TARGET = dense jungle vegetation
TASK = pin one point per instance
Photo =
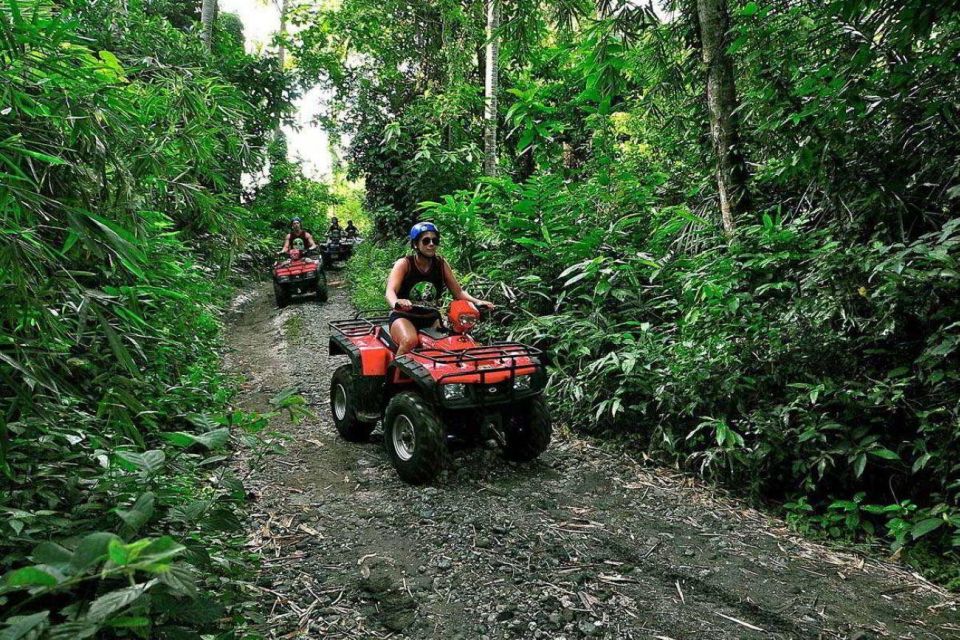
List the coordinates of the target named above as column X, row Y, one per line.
column 805, row 351
column 123, row 140
column 733, row 225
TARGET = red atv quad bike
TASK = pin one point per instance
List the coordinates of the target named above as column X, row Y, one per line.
column 449, row 389
column 298, row 274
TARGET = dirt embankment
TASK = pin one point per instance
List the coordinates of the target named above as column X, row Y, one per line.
column 584, row 543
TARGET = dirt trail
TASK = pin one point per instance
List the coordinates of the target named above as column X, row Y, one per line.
column 584, row 543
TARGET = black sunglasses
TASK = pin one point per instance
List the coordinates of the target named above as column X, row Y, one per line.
column 430, row 240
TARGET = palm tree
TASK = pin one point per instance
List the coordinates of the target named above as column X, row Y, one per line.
column 281, row 6
column 490, row 89
column 714, row 21
column 208, row 13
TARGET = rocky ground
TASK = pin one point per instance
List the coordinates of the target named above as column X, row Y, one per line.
column 583, row 543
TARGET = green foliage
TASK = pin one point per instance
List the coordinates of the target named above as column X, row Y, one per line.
column 780, row 363
column 367, row 273
column 812, row 358
column 406, row 104
column 122, row 143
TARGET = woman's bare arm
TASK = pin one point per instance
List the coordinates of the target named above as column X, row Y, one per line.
column 393, row 285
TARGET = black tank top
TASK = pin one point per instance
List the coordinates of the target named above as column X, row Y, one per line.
column 302, row 236
column 418, row 286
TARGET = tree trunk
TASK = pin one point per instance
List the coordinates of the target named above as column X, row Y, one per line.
column 722, row 104
column 208, row 13
column 282, row 52
column 281, row 56
column 492, row 73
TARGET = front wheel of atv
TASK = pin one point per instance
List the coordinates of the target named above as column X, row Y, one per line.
column 527, row 430
column 343, row 406
column 413, row 435
column 280, row 295
column 321, row 287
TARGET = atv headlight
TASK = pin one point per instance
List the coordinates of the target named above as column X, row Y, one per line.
column 521, row 383
column 454, row 391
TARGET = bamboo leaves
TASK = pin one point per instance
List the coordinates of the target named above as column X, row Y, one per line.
column 122, row 143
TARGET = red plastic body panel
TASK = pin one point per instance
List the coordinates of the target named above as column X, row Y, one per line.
column 375, row 357
column 439, row 358
column 295, row 267
column 453, row 359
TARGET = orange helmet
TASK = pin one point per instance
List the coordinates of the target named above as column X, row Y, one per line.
column 463, row 315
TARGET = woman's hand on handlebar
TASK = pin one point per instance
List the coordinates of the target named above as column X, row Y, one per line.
column 402, row 304
column 485, row 305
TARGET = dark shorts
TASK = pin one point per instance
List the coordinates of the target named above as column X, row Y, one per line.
column 419, row 322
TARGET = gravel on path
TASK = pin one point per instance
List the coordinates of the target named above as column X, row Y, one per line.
column 586, row 542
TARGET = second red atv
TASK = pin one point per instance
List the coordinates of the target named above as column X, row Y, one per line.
column 450, row 388
column 298, row 274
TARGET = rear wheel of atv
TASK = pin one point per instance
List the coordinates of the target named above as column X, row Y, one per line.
column 321, row 287
column 413, row 435
column 343, row 405
column 527, row 430
column 280, row 295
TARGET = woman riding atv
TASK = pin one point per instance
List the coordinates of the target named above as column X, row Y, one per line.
column 422, row 276
column 297, row 233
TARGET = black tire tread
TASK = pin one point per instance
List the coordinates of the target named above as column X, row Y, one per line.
column 351, row 428
column 321, row 287
column 280, row 295
column 527, row 430
column 431, row 454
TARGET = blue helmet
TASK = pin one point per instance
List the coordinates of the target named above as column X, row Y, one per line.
column 295, row 219
column 419, row 229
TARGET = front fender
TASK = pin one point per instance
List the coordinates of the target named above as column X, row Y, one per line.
column 340, row 346
column 416, row 372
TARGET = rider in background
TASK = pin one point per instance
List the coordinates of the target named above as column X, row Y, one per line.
column 334, row 226
column 422, row 277
column 297, row 233
column 351, row 230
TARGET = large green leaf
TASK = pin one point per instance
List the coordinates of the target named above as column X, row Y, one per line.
column 160, row 553
column 30, row 577
column 72, row 631
column 52, row 554
column 114, row 601
column 150, row 462
column 926, row 526
column 25, row 626
column 91, row 550
column 140, row 513
column 180, row 580
column 210, row 440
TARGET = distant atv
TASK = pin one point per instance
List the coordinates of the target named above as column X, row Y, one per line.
column 352, row 241
column 448, row 389
column 335, row 250
column 298, row 274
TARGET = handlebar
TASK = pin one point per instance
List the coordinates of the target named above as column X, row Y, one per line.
column 303, row 253
column 424, row 309
column 418, row 308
